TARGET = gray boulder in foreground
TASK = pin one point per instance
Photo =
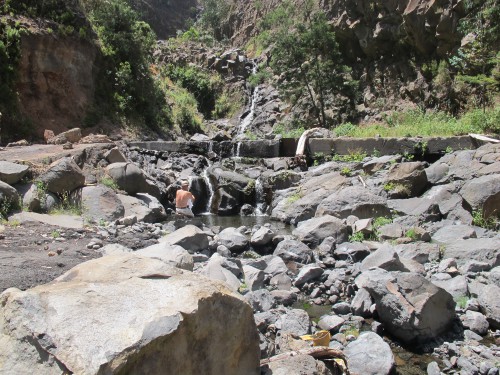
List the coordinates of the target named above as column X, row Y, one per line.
column 63, row 176
column 411, row 307
column 148, row 318
column 369, row 355
column 101, row 203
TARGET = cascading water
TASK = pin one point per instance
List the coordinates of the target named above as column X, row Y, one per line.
column 260, row 205
column 208, row 209
column 247, row 121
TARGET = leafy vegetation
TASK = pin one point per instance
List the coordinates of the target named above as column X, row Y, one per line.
column 480, row 220
column 418, row 123
column 308, row 61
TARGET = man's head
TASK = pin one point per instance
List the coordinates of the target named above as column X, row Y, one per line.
column 184, row 184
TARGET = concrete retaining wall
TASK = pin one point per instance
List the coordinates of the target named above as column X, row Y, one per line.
column 341, row 146
column 390, row 146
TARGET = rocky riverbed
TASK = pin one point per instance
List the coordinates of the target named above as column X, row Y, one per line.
column 386, row 253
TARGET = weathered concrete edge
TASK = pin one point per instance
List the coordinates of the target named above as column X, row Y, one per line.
column 342, row 146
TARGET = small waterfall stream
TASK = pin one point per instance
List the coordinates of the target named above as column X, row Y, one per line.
column 208, row 209
column 260, row 205
column 247, row 120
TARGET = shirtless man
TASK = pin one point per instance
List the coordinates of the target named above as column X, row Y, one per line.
column 184, row 200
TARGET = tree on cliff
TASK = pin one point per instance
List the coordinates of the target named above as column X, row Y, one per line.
column 308, row 62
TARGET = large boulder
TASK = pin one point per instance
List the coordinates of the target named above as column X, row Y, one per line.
column 233, row 239
column 232, row 190
column 11, row 173
column 483, row 194
column 143, row 206
column 301, row 203
column 369, row 355
column 481, row 249
column 217, row 269
column 314, row 231
column 488, row 297
column 190, row 237
column 385, row 257
column 100, row 203
column 39, row 200
column 411, row 307
column 292, row 250
column 424, row 209
column 73, row 135
column 9, row 196
column 147, row 318
column 355, row 201
column 128, row 177
column 63, row 176
column 408, row 179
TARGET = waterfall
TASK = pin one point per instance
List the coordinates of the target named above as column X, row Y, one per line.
column 247, row 120
column 208, row 209
column 259, row 198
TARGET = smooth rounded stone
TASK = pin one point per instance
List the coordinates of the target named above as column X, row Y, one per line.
column 115, row 156
column 452, row 233
column 294, row 321
column 330, row 323
column 483, row 193
column 233, row 239
column 284, row 297
column 410, row 175
column 11, row 173
column 260, row 300
column 190, row 237
column 410, row 307
column 488, row 297
column 360, row 304
column 341, row 308
column 420, row 252
column 456, row 286
column 281, row 281
column 466, row 366
column 299, row 364
column 223, row 251
column 254, row 278
column 63, row 176
column 39, row 201
column 471, row 336
column 314, row 231
column 385, row 257
column 369, row 355
column 214, row 269
column 327, row 246
column 433, row 369
column 354, row 251
column 446, row 264
column 413, row 266
column 274, row 265
column 121, row 318
column 144, row 206
column 128, row 177
column 353, row 200
column 390, row 231
column 171, row 254
column 494, row 276
column 480, row 249
column 472, row 266
column 262, row 237
column 475, row 321
column 246, row 210
column 292, row 250
column 100, row 203
column 308, row 273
